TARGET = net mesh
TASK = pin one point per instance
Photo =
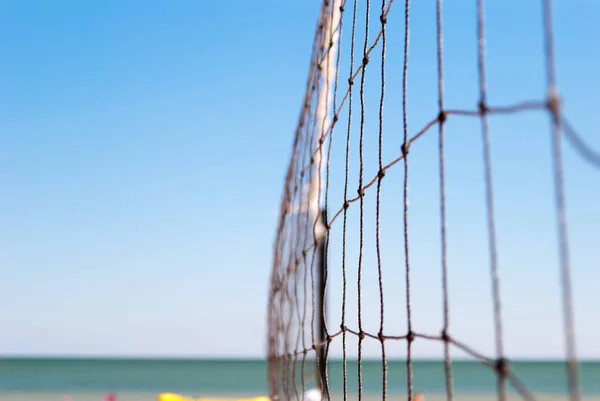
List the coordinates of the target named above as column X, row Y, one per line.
column 325, row 240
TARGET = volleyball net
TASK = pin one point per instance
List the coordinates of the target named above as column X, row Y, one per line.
column 389, row 187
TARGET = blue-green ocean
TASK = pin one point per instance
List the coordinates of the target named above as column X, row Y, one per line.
column 247, row 377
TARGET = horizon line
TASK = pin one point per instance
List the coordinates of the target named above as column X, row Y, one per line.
column 218, row 358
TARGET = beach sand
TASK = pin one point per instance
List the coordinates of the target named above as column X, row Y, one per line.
column 140, row 396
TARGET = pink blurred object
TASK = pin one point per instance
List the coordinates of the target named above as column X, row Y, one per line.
column 111, row 397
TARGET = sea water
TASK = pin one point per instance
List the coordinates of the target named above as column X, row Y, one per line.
column 142, row 379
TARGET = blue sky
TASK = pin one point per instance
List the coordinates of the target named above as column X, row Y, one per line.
column 143, row 147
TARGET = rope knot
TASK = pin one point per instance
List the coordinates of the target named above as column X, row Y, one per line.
column 404, row 149
column 501, row 367
column 483, row 107
column 554, row 106
column 442, row 117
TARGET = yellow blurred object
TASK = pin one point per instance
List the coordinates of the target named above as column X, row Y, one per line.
column 176, row 397
column 173, row 397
